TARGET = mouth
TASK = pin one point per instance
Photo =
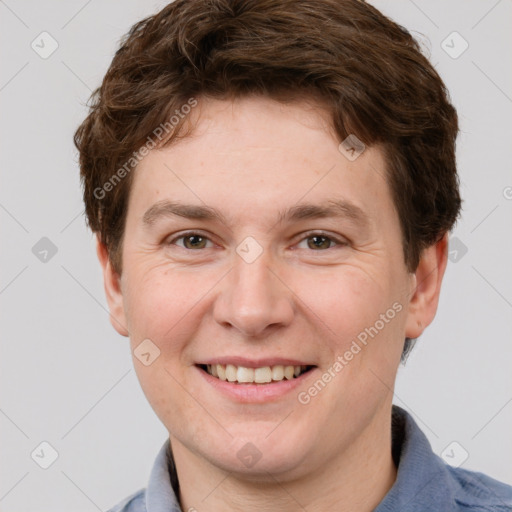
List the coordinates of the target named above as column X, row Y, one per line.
column 262, row 375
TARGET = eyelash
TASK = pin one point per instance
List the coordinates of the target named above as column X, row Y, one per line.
column 307, row 235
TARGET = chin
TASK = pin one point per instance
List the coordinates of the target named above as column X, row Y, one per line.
column 261, row 457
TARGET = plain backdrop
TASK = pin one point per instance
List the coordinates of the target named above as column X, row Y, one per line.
column 67, row 377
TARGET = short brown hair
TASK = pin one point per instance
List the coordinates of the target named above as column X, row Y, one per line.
column 365, row 69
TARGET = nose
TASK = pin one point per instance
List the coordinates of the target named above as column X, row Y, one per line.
column 254, row 299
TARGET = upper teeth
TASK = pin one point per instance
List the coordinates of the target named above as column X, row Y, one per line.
column 261, row 375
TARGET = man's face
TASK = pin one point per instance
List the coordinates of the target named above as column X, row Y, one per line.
column 260, row 287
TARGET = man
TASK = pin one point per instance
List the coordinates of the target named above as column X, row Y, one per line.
column 272, row 185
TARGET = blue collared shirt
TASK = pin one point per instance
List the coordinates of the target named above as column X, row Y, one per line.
column 424, row 482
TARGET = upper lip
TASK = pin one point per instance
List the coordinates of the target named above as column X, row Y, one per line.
column 255, row 363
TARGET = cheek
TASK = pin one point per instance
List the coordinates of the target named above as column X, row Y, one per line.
column 343, row 302
column 164, row 308
column 162, row 304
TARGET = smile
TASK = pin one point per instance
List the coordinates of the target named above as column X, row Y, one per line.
column 261, row 375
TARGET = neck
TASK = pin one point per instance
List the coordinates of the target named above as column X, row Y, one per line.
column 355, row 480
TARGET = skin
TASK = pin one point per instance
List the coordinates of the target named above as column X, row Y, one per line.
column 252, row 158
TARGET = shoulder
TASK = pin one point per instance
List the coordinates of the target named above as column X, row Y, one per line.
column 477, row 492
column 136, row 502
column 426, row 483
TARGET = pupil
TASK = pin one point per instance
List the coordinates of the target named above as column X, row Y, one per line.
column 320, row 241
column 194, row 240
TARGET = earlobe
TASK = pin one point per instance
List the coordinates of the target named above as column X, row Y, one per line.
column 112, row 285
column 425, row 292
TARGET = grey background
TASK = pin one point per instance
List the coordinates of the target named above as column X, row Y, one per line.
column 66, row 375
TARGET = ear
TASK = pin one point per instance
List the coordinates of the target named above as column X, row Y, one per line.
column 112, row 284
column 425, row 293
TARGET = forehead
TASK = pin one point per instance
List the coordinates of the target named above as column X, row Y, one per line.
column 258, row 157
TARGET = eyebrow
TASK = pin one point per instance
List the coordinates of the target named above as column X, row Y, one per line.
column 336, row 208
column 166, row 208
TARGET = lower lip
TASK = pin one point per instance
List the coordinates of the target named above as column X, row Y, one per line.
column 255, row 393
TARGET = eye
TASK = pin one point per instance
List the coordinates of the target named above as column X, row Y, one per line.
column 321, row 241
column 316, row 241
column 191, row 241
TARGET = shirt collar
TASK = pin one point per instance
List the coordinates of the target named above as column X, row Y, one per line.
column 163, row 489
column 422, row 477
